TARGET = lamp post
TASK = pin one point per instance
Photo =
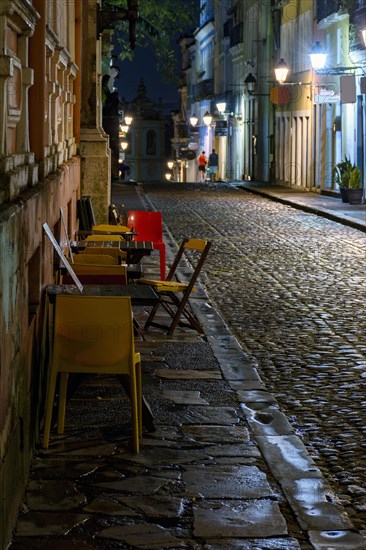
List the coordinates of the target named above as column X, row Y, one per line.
column 250, row 84
column 207, row 119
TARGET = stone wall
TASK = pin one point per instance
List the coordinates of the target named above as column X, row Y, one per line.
column 27, row 265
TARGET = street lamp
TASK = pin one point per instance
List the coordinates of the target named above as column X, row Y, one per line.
column 170, row 164
column 168, row 176
column 250, row 83
column 281, row 71
column 124, row 145
column 193, row 120
column 128, row 119
column 221, row 107
column 318, row 56
column 207, row 118
column 124, row 128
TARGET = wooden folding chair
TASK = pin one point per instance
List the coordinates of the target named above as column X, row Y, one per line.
column 95, row 259
column 174, row 295
column 93, row 335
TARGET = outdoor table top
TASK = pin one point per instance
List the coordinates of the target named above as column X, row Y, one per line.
column 142, row 247
column 141, row 295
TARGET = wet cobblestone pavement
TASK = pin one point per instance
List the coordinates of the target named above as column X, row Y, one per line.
column 292, row 288
column 260, row 423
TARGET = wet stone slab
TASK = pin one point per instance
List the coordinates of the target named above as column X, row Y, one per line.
column 254, row 544
column 254, row 518
column 157, row 456
column 217, row 434
column 136, row 506
column 184, row 397
column 256, row 396
column 186, row 374
column 53, row 495
column 53, row 544
column 225, row 342
column 220, row 481
column 145, row 485
column 224, row 416
column 146, row 536
column 267, row 421
column 312, row 500
column 63, row 468
column 337, row 540
column 237, row 368
column 246, row 385
column 36, row 524
column 77, row 447
column 234, row 451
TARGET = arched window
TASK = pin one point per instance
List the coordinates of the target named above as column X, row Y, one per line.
column 151, row 142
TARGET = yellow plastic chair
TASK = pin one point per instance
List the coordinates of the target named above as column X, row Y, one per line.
column 96, row 259
column 104, row 238
column 174, row 295
column 105, row 250
column 98, row 274
column 105, row 229
column 93, row 335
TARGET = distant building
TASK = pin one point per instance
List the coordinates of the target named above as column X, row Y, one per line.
column 146, row 154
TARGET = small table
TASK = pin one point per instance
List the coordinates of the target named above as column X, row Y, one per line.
column 135, row 249
column 141, row 295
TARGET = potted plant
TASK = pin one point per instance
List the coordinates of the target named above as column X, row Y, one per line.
column 355, row 191
column 342, row 174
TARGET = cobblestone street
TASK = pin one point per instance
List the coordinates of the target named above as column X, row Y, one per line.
column 291, row 286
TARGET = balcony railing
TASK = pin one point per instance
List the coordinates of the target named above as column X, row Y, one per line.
column 325, row 8
column 204, row 89
column 236, row 35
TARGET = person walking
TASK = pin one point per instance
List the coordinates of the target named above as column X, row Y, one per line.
column 202, row 161
column 213, row 161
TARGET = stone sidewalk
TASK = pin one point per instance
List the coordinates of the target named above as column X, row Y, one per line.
column 223, row 470
column 330, row 207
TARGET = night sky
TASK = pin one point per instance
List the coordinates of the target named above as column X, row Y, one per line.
column 144, row 66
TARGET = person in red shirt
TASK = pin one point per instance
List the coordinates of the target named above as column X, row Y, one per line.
column 202, row 161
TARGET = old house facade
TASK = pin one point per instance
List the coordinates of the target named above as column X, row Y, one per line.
column 291, row 132
column 53, row 149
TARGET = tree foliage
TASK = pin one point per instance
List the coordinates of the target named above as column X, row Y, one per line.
column 159, row 25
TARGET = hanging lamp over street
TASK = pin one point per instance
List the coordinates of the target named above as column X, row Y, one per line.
column 318, row 56
column 281, row 71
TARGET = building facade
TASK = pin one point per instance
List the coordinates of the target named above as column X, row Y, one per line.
column 53, row 149
column 291, row 132
column 145, row 155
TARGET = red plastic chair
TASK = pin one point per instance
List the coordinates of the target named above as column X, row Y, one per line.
column 149, row 226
